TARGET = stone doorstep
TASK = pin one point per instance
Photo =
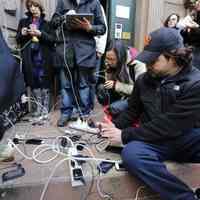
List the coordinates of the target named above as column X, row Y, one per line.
column 122, row 186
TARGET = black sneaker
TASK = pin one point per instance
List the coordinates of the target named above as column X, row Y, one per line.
column 62, row 121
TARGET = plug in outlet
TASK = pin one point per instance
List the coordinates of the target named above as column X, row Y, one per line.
column 76, row 172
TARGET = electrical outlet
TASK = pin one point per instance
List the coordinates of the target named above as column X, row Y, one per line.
column 76, row 172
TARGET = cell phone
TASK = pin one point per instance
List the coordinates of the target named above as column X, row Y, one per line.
column 119, row 166
column 104, row 166
column 13, row 174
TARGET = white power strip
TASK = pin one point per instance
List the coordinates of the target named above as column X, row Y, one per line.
column 76, row 172
column 82, row 125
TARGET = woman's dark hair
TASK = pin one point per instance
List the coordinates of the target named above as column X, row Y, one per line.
column 190, row 5
column 182, row 56
column 168, row 18
column 120, row 50
column 35, row 2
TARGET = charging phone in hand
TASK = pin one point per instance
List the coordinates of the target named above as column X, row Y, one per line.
column 119, row 166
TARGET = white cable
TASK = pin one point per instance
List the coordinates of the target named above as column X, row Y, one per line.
column 50, row 177
column 70, row 75
column 101, row 194
column 13, row 126
column 15, row 146
column 138, row 191
column 95, row 159
column 38, row 103
column 32, row 99
column 35, row 155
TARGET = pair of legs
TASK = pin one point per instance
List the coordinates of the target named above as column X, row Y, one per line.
column 145, row 161
column 41, row 91
column 75, row 91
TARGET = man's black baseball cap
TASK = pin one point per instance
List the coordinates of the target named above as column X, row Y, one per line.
column 160, row 41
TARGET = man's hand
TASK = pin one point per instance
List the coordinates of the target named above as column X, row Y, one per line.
column 82, row 24
column 109, row 84
column 110, row 132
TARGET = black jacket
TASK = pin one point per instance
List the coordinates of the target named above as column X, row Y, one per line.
column 165, row 107
column 11, row 79
column 193, row 36
column 81, row 41
column 46, row 42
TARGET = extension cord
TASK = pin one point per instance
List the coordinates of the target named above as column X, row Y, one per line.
column 76, row 172
column 82, row 125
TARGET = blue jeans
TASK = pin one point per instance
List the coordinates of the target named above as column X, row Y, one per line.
column 118, row 106
column 145, row 161
column 75, row 91
column 93, row 88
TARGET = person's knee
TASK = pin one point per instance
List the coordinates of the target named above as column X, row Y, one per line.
column 131, row 155
column 113, row 109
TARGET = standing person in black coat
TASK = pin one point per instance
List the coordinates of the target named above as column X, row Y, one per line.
column 191, row 34
column 166, row 101
column 76, row 49
column 33, row 36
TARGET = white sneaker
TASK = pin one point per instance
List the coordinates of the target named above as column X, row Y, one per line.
column 82, row 125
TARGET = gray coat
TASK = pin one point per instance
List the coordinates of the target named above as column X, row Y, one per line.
column 82, row 42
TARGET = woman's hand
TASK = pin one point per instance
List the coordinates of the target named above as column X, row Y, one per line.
column 35, row 32
column 24, row 31
column 110, row 84
column 109, row 131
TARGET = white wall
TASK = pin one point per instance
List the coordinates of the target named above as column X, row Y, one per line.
column 160, row 9
column 150, row 15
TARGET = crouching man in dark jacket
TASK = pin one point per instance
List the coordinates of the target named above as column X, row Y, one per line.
column 166, row 99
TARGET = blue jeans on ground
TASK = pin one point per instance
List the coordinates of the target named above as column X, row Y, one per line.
column 75, row 93
column 145, row 161
column 67, row 100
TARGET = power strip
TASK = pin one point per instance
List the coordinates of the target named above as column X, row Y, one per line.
column 76, row 172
